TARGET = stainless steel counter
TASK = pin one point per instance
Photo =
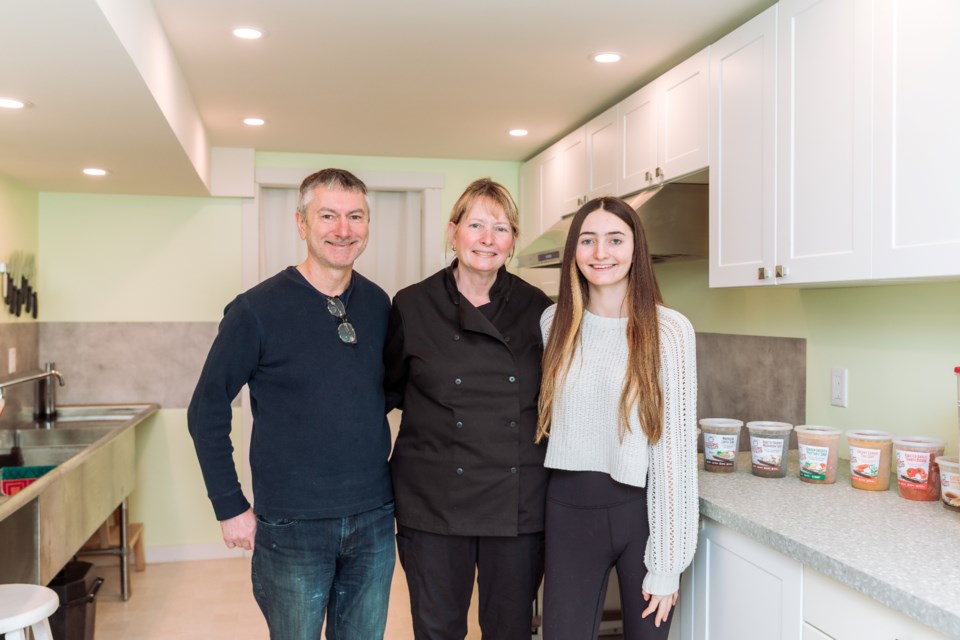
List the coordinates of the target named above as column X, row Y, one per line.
column 899, row 552
column 46, row 523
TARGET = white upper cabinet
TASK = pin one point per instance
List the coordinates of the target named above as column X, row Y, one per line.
column 563, row 178
column 663, row 127
column 638, row 117
column 743, row 154
column 917, row 139
column 824, row 120
column 683, row 139
column 602, row 140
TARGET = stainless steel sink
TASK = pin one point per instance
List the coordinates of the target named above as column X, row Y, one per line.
column 99, row 412
column 29, row 438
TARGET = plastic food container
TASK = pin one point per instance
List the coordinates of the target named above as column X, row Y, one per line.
column 949, row 482
column 721, row 440
column 918, row 476
column 870, row 456
column 769, row 442
column 818, row 453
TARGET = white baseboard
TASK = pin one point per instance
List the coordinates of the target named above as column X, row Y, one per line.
column 190, row 552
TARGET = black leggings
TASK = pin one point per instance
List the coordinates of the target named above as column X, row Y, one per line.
column 593, row 524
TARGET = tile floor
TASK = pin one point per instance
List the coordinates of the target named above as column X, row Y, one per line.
column 206, row 600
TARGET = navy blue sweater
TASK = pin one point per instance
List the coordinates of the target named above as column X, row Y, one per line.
column 320, row 437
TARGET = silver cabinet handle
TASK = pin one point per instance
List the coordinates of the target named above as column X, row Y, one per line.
column 782, row 271
column 659, row 172
column 763, row 273
column 647, row 176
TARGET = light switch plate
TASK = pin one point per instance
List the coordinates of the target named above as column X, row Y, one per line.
column 838, row 387
column 12, row 360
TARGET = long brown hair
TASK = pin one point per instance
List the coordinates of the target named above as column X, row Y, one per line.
column 641, row 387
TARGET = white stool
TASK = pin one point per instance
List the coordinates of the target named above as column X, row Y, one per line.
column 26, row 606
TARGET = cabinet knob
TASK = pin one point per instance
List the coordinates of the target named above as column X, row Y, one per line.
column 763, row 273
column 659, row 172
column 782, row 271
column 647, row 176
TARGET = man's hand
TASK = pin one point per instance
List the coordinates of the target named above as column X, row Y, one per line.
column 239, row 531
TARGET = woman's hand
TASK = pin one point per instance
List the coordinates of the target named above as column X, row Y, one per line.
column 659, row 604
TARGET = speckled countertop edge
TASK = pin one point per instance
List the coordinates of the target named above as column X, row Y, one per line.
column 899, row 552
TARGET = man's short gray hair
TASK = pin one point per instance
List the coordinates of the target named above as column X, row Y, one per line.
column 331, row 179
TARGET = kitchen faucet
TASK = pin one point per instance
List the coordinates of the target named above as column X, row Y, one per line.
column 45, row 407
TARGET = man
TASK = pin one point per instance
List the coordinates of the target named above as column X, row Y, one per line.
column 309, row 343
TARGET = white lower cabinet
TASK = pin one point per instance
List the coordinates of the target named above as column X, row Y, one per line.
column 835, row 611
column 744, row 590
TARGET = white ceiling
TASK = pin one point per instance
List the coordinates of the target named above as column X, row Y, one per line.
column 421, row 78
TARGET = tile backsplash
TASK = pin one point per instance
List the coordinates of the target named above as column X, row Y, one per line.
column 752, row 378
column 24, row 337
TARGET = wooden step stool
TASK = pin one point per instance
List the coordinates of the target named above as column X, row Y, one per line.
column 108, row 537
column 106, row 541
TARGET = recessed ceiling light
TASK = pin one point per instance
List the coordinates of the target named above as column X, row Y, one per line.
column 518, row 132
column 606, row 57
column 254, row 122
column 248, row 33
column 93, row 171
column 13, row 103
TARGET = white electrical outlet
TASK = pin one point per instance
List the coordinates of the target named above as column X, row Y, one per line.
column 838, row 387
column 12, row 360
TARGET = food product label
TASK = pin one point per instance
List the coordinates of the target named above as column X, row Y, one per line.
column 720, row 450
column 813, row 462
column 864, row 464
column 766, row 453
column 913, row 470
column 950, row 488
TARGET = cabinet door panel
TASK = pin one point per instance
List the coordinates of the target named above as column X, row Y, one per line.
column 573, row 174
column 683, row 117
column 744, row 590
column 638, row 140
column 743, row 154
column 824, row 122
column 602, row 145
column 918, row 138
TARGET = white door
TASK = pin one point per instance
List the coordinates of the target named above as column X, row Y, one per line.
column 392, row 257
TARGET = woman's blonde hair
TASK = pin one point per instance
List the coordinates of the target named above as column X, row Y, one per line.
column 641, row 387
column 493, row 191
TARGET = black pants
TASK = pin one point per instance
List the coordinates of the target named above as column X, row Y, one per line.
column 440, row 573
column 593, row 524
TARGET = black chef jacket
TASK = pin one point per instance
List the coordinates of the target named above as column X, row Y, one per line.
column 467, row 380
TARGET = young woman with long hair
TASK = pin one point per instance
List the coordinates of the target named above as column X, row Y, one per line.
column 617, row 406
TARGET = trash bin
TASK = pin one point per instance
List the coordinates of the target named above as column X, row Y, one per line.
column 77, row 587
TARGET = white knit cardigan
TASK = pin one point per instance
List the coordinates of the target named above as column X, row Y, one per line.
column 584, row 435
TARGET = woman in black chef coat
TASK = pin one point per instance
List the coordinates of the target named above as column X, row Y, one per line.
column 463, row 363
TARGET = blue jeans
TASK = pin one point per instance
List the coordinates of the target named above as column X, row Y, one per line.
column 303, row 569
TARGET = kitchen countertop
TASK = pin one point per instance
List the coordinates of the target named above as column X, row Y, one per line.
column 899, row 552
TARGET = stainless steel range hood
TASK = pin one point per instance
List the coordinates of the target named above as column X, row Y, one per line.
column 674, row 215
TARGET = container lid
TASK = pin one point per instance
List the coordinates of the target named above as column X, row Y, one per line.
column 869, row 434
column 950, row 460
column 763, row 425
column 816, row 430
column 922, row 442
column 720, row 422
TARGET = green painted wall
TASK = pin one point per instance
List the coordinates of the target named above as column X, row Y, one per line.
column 113, row 258
column 19, row 216
column 900, row 344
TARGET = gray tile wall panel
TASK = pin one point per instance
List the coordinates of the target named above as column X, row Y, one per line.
column 115, row 362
